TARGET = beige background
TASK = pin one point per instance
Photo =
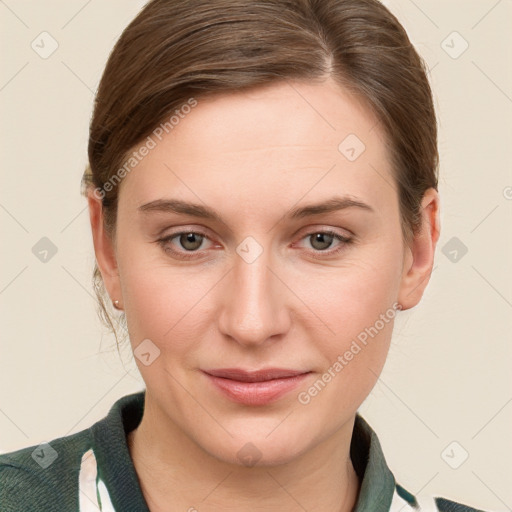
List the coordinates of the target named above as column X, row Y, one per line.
column 448, row 374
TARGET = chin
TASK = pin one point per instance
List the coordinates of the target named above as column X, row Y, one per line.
column 256, row 451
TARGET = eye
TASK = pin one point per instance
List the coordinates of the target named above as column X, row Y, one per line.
column 189, row 244
column 323, row 239
column 186, row 242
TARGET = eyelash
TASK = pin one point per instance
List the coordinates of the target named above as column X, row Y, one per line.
column 164, row 243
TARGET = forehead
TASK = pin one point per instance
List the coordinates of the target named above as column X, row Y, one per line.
column 275, row 143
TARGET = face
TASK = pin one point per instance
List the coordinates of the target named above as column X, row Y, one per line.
column 265, row 280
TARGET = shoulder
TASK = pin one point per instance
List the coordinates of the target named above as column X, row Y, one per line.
column 43, row 476
column 74, row 472
column 380, row 490
column 444, row 505
column 404, row 501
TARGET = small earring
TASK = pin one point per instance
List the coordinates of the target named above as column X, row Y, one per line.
column 116, row 304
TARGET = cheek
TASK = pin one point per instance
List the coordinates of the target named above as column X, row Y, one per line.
column 352, row 297
column 166, row 304
column 360, row 311
column 358, row 304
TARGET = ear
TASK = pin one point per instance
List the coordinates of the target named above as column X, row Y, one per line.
column 419, row 258
column 104, row 247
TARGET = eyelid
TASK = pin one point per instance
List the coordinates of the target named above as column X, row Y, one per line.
column 184, row 231
column 344, row 240
column 324, row 228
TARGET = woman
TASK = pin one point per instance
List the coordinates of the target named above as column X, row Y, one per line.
column 263, row 201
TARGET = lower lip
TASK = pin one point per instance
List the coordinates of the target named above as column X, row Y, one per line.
column 256, row 393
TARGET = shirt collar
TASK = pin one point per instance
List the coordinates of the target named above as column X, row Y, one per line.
column 377, row 481
column 116, row 468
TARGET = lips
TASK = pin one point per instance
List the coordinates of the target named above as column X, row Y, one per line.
column 257, row 387
column 254, row 376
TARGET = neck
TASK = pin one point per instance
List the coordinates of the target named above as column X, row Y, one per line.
column 173, row 469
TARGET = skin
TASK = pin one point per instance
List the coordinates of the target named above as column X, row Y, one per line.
column 253, row 157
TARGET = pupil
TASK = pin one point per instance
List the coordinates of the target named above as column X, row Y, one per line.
column 187, row 239
column 320, row 237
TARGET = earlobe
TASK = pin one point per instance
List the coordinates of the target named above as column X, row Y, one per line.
column 419, row 258
column 103, row 247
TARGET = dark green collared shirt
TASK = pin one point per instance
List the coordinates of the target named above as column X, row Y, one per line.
column 92, row 470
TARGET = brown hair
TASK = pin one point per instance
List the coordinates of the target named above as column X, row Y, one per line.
column 175, row 50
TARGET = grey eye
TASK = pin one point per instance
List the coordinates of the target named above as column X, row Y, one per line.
column 191, row 241
column 321, row 241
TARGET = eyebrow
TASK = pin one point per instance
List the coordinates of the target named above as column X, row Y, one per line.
column 197, row 210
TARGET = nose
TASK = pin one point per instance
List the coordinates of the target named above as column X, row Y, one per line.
column 254, row 309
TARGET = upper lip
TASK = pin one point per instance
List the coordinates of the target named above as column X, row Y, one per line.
column 254, row 376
